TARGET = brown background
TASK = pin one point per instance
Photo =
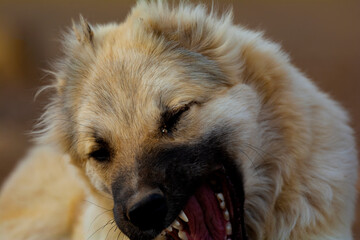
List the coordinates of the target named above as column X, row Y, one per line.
column 322, row 37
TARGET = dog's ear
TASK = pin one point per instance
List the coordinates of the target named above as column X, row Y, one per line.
column 83, row 31
column 79, row 39
column 79, row 49
column 80, row 45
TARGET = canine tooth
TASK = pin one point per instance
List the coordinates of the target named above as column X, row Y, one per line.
column 169, row 229
column 228, row 228
column 222, row 205
column 182, row 235
column 220, row 197
column 176, row 224
column 183, row 216
column 226, row 215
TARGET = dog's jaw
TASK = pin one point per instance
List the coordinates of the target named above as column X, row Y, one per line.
column 214, row 211
column 213, row 188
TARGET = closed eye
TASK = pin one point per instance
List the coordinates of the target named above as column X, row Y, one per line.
column 100, row 155
column 101, row 152
column 170, row 118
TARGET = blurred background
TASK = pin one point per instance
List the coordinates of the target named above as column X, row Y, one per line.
column 322, row 37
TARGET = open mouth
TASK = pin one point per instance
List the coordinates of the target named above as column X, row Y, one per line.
column 214, row 211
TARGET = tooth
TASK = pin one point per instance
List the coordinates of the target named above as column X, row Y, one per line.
column 176, row 224
column 183, row 216
column 226, row 215
column 220, row 197
column 222, row 205
column 182, row 235
column 169, row 229
column 163, row 233
column 228, row 228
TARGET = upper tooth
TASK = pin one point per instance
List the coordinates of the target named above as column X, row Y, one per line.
column 176, row 224
column 222, row 205
column 226, row 215
column 228, row 228
column 169, row 228
column 183, row 216
column 182, row 235
column 220, row 197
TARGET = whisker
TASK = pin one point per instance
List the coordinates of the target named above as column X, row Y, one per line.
column 257, row 150
column 107, row 197
column 118, row 235
column 247, row 156
column 97, row 205
column 98, row 216
column 110, row 230
column 111, row 220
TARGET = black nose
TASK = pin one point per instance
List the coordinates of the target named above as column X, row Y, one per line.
column 148, row 212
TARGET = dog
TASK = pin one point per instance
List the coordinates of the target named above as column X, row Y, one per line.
column 178, row 124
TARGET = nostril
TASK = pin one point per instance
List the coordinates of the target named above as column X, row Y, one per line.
column 149, row 212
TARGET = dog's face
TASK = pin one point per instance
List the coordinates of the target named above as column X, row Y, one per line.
column 156, row 131
column 160, row 128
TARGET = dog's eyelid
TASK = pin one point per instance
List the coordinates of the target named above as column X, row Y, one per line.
column 101, row 154
column 181, row 107
column 101, row 141
column 101, row 151
column 171, row 117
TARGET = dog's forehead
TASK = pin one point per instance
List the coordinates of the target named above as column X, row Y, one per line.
column 128, row 74
column 132, row 82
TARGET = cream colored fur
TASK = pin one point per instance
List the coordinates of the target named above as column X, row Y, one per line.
column 293, row 143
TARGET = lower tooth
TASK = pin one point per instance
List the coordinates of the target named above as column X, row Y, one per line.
column 226, row 215
column 182, row 235
column 176, row 224
column 183, row 216
column 220, row 197
column 228, row 228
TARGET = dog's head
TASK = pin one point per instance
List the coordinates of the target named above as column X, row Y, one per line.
column 158, row 113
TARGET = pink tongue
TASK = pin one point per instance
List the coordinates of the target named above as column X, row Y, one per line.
column 206, row 219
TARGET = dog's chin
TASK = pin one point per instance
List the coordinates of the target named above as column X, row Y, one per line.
column 215, row 211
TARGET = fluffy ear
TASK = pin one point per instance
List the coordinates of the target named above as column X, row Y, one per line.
column 79, row 44
column 83, row 31
column 79, row 48
column 79, row 41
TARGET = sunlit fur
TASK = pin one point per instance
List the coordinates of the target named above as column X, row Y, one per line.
column 292, row 142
